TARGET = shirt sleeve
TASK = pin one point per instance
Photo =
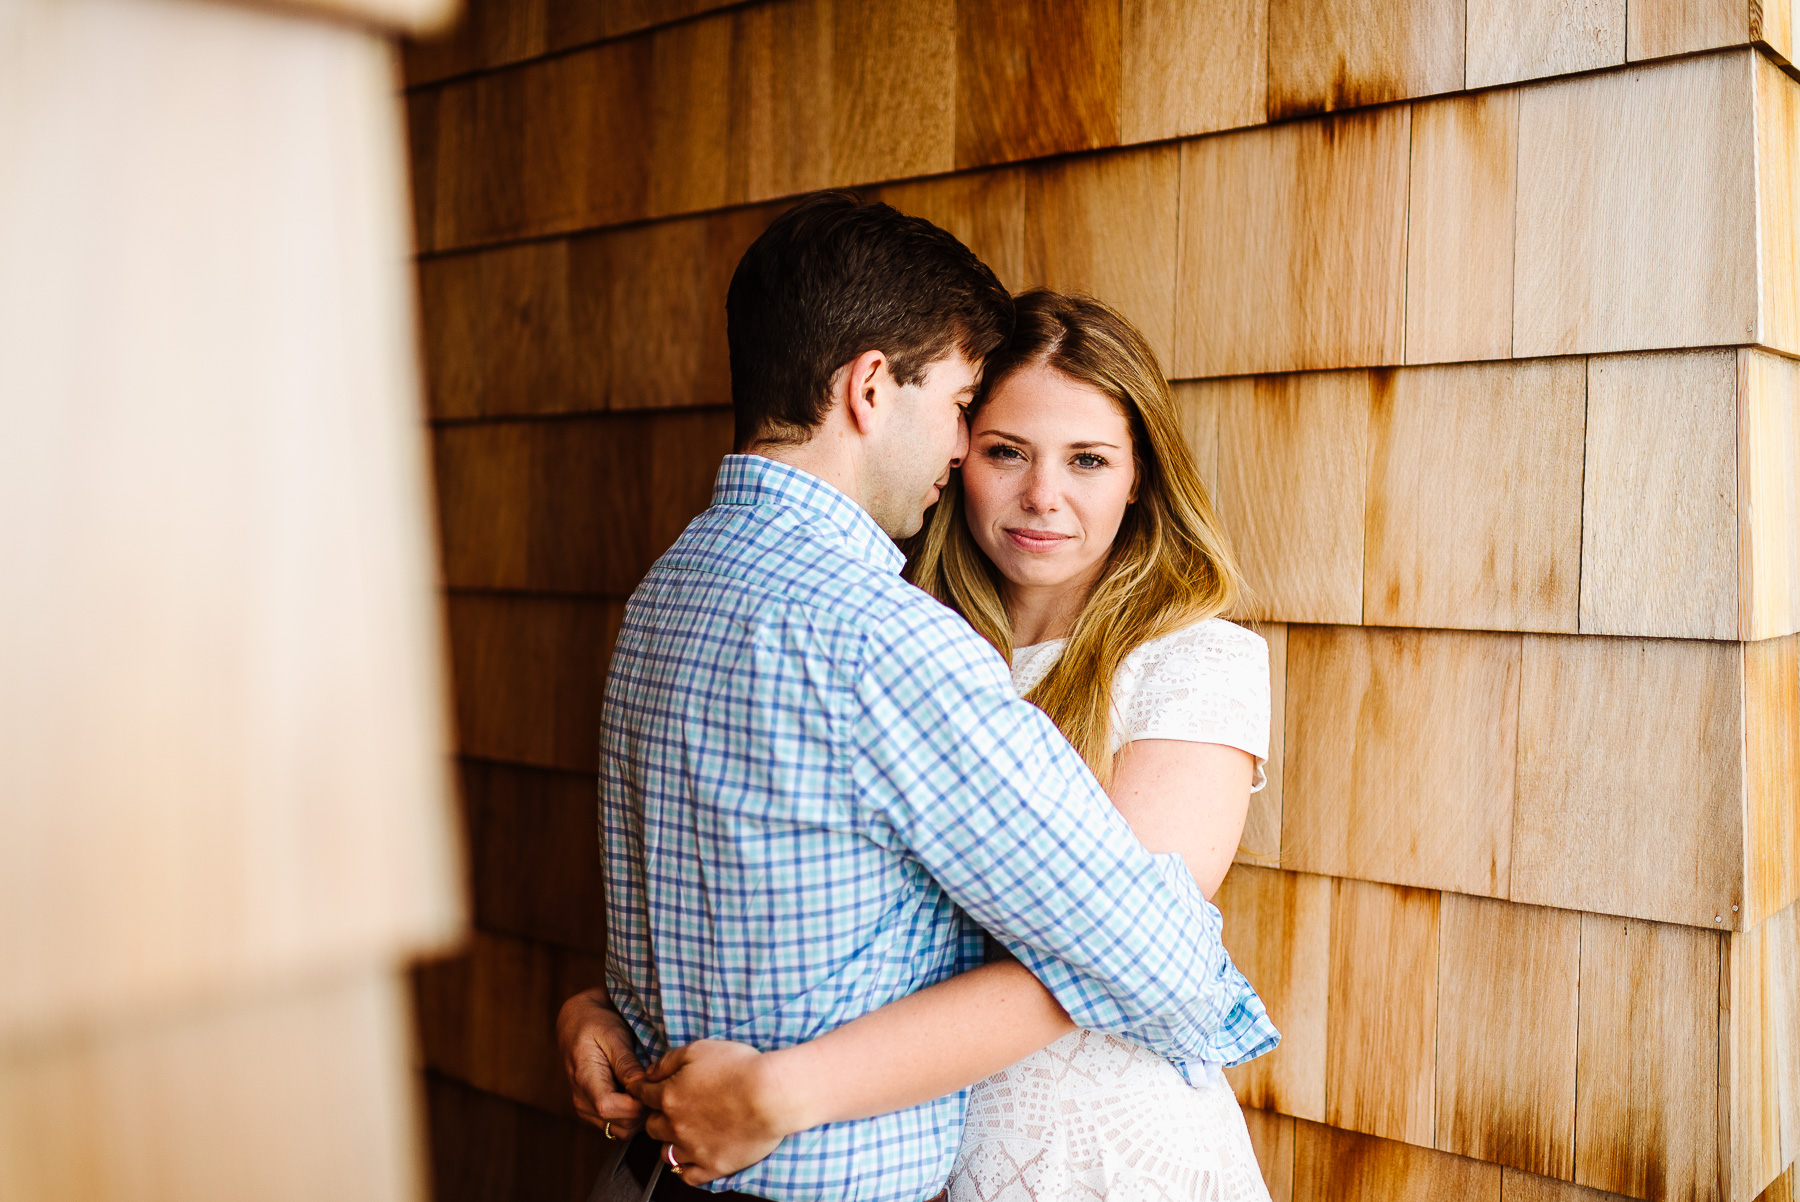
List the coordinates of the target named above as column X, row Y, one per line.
column 985, row 793
column 1206, row 684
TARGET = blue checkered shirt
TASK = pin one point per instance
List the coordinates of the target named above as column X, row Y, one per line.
column 813, row 777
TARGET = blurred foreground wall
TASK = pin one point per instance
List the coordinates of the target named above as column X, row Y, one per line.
column 1487, row 316
column 224, row 811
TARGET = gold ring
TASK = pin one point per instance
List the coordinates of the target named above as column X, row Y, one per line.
column 608, row 1132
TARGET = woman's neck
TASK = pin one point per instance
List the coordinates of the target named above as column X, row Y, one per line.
column 1039, row 613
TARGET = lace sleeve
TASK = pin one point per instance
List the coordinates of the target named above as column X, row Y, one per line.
column 1208, row 683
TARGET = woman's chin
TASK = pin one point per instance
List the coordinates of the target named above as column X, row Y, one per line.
column 1034, row 573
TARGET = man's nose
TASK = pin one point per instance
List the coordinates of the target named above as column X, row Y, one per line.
column 962, row 441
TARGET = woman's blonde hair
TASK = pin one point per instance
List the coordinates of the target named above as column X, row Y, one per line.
column 1170, row 564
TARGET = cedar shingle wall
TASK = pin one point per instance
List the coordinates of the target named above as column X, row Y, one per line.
column 1497, row 393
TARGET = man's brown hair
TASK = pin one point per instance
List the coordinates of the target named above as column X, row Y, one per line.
column 836, row 276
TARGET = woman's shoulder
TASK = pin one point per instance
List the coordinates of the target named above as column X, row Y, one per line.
column 1212, row 641
column 1207, row 682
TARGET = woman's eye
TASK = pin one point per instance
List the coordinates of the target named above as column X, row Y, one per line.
column 1087, row 460
column 1004, row 452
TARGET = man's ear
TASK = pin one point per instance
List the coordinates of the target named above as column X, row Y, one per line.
column 864, row 381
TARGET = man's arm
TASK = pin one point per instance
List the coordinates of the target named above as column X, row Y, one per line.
column 984, row 791
column 725, row 1106
column 600, row 1057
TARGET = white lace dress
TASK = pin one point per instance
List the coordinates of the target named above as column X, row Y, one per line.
column 1095, row 1116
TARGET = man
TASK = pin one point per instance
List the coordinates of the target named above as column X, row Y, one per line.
column 811, row 771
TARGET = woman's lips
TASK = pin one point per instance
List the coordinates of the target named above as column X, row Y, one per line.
column 1036, row 540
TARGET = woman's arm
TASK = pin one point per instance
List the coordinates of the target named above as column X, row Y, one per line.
column 1190, row 798
column 725, row 1106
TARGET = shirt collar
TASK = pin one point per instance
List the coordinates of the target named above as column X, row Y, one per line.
column 756, row 480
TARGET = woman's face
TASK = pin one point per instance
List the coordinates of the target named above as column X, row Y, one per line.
column 1048, row 476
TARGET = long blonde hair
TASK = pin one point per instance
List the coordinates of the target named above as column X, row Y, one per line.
column 1170, row 564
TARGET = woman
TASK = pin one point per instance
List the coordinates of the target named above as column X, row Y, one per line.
column 1079, row 540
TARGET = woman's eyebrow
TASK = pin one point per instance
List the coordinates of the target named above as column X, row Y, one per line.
column 1082, row 446
column 1002, row 434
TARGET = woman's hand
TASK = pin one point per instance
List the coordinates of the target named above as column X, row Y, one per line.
column 720, row 1104
column 600, row 1057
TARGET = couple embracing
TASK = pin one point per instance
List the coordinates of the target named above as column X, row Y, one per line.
column 888, row 919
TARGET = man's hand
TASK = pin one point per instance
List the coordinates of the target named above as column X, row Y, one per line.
column 600, row 1057
column 719, row 1103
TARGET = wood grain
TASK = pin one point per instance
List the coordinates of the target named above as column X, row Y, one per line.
column 624, row 319
column 1292, row 473
column 1527, row 1187
column 1198, row 402
column 1659, row 529
column 619, row 17
column 1343, row 1166
column 487, row 1017
column 893, row 90
column 1768, row 500
column 1278, row 930
column 1261, row 840
column 1400, row 756
column 500, row 337
column 984, row 209
column 1035, row 77
column 663, row 309
column 1105, row 226
column 780, row 99
column 1381, row 1017
column 549, row 146
column 1658, row 28
column 1647, row 1073
column 1513, row 40
column 1508, row 994
column 530, row 673
column 1762, row 1044
column 1344, row 54
column 1459, row 251
column 1293, row 246
column 1620, row 738
column 1778, row 203
column 221, row 718
column 1272, row 1136
column 1192, row 68
column 1636, row 210
column 688, row 116
column 487, row 1149
column 1772, row 27
column 579, row 506
column 534, row 855
column 1783, row 1189
column 1771, row 777
column 421, row 146
column 1475, row 493
column 489, row 33
column 475, row 190
column 165, row 1107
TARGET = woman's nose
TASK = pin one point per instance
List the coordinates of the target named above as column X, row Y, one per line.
column 1040, row 493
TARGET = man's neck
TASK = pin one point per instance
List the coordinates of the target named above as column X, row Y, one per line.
column 816, row 457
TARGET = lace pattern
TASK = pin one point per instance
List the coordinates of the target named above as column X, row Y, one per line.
column 1097, row 1117
column 1206, row 683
